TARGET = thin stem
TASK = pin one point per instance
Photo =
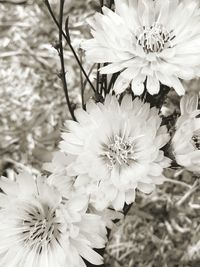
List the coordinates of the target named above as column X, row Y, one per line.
column 103, row 84
column 106, row 84
column 82, row 85
column 61, row 55
column 101, row 3
column 173, row 181
column 90, row 71
column 112, row 81
column 70, row 45
column 98, row 78
column 111, row 3
column 188, row 193
column 82, row 91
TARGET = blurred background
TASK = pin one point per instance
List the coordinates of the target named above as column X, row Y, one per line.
column 162, row 229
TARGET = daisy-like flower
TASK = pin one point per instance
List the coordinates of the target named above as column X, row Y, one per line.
column 154, row 41
column 186, row 141
column 39, row 228
column 117, row 149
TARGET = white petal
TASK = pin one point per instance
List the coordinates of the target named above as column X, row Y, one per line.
column 88, row 254
column 130, row 196
column 119, row 201
column 146, row 188
column 137, row 84
column 188, row 104
column 27, row 183
column 121, row 85
column 9, row 187
column 153, row 85
column 111, row 68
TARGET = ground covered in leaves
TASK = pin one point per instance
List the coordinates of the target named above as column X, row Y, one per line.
column 161, row 230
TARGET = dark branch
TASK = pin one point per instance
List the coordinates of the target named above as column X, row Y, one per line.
column 69, row 43
column 61, row 55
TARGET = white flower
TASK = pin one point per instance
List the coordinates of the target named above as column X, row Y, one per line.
column 59, row 177
column 117, row 149
column 69, row 186
column 40, row 229
column 186, row 141
column 153, row 41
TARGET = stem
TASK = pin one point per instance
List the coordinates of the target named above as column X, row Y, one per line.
column 112, row 81
column 103, row 84
column 90, row 71
column 188, row 193
column 101, row 3
column 98, row 78
column 61, row 55
column 82, row 92
column 111, row 3
column 70, row 45
column 82, row 86
column 177, row 182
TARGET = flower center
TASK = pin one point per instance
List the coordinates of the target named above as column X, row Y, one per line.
column 196, row 141
column 40, row 228
column 119, row 151
column 155, row 38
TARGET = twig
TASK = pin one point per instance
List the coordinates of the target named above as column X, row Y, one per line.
column 70, row 45
column 82, row 85
column 61, row 55
column 173, row 181
column 112, row 81
column 90, row 71
column 133, row 249
column 101, row 3
column 111, row 3
column 98, row 77
column 188, row 193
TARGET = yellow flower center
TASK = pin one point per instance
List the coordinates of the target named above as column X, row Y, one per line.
column 155, row 38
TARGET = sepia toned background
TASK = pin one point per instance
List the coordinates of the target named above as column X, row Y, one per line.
column 162, row 229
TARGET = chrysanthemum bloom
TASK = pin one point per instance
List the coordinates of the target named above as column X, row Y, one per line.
column 39, row 229
column 145, row 40
column 186, row 141
column 117, row 149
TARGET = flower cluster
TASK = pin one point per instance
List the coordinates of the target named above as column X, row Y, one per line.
column 116, row 143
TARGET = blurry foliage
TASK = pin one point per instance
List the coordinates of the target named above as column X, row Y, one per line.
column 32, row 103
column 157, row 232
